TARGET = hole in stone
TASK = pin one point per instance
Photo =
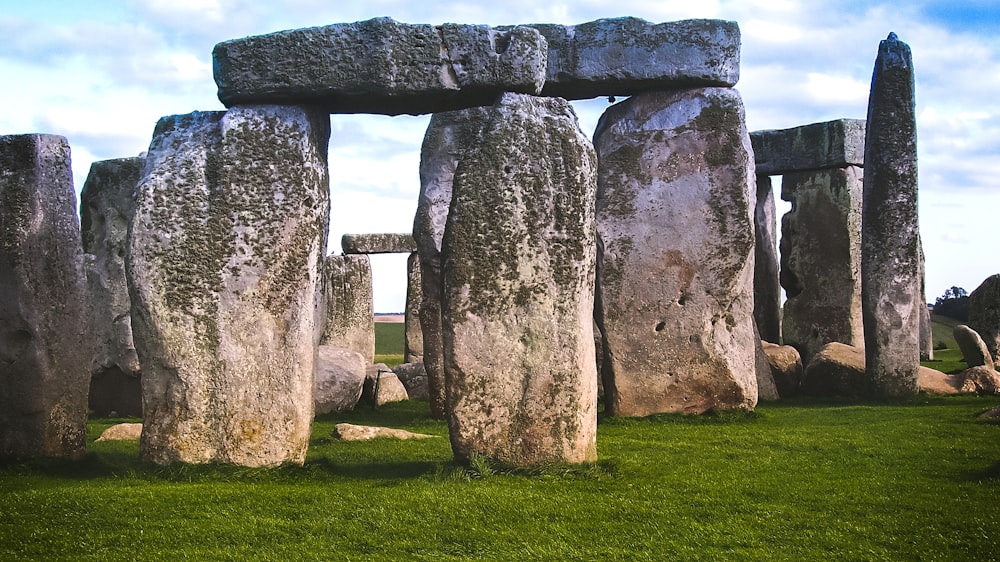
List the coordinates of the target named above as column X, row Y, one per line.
column 683, row 300
column 506, row 169
column 661, row 326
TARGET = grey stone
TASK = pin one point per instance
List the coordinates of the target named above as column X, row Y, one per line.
column 821, row 259
column 107, row 204
column 381, row 66
column 974, row 350
column 836, row 370
column 518, row 259
column 832, row 144
column 766, row 287
column 448, row 136
column 122, row 432
column 890, row 239
column 767, row 389
column 351, row 432
column 675, row 282
column 382, row 243
column 382, row 386
column 984, row 313
column 340, row 378
column 347, row 307
column 413, row 340
column 926, row 333
column 45, row 345
column 627, row 56
column 414, row 379
column 224, row 261
column 786, row 368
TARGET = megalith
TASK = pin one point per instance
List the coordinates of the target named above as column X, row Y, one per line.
column 675, row 269
column 890, row 238
column 224, row 259
column 821, row 259
column 974, row 350
column 413, row 339
column 378, row 243
column 107, row 205
column 518, row 259
column 448, row 136
column 766, row 286
column 45, row 347
column 348, row 310
column 984, row 313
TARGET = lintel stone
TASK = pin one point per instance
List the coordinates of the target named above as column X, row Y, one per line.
column 385, row 67
column 831, row 144
column 378, row 243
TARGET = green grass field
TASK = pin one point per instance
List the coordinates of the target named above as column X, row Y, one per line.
column 798, row 481
column 390, row 343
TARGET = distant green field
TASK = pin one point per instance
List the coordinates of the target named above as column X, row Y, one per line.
column 390, row 338
column 942, row 327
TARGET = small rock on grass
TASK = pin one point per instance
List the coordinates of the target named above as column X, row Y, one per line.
column 122, row 432
column 351, row 432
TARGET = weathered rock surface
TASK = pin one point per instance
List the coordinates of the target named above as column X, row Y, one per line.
column 45, row 344
column 347, row 307
column 340, row 378
column 351, row 432
column 107, row 204
column 832, row 144
column 890, row 239
column 448, row 136
column 382, row 386
column 122, row 432
column 786, row 368
column 984, row 313
column 766, row 287
column 974, row 351
column 675, row 285
column 224, row 263
column 413, row 337
column 381, row 66
column 381, row 243
column 518, row 268
column 975, row 380
column 627, row 56
column 926, row 333
column 767, row 391
column 821, row 259
column 837, row 369
column 414, row 379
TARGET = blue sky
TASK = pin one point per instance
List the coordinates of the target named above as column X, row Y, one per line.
column 102, row 73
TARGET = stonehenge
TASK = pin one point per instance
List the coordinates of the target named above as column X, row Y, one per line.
column 890, row 237
column 44, row 322
column 534, row 250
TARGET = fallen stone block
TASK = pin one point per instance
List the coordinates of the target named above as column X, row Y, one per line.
column 351, row 432
column 340, row 378
column 122, row 432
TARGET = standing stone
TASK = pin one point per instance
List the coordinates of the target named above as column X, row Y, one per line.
column 45, row 347
column 974, row 350
column 766, row 287
column 448, row 136
column 890, row 240
column 107, row 205
column 926, row 333
column 675, row 290
column 821, row 259
column 984, row 313
column 347, row 301
column 413, row 337
column 224, row 263
column 518, row 268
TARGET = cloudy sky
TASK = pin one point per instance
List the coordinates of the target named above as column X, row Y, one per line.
column 102, row 72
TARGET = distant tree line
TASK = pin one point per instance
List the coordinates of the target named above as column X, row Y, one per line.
column 954, row 303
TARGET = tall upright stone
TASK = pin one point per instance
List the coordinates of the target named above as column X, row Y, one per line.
column 224, row 260
column 675, row 276
column 447, row 138
column 926, row 333
column 107, row 205
column 413, row 337
column 349, row 314
column 44, row 329
column 518, row 259
column 766, row 286
column 890, row 240
column 984, row 313
column 821, row 259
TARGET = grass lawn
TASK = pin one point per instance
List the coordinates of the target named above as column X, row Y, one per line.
column 796, row 481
